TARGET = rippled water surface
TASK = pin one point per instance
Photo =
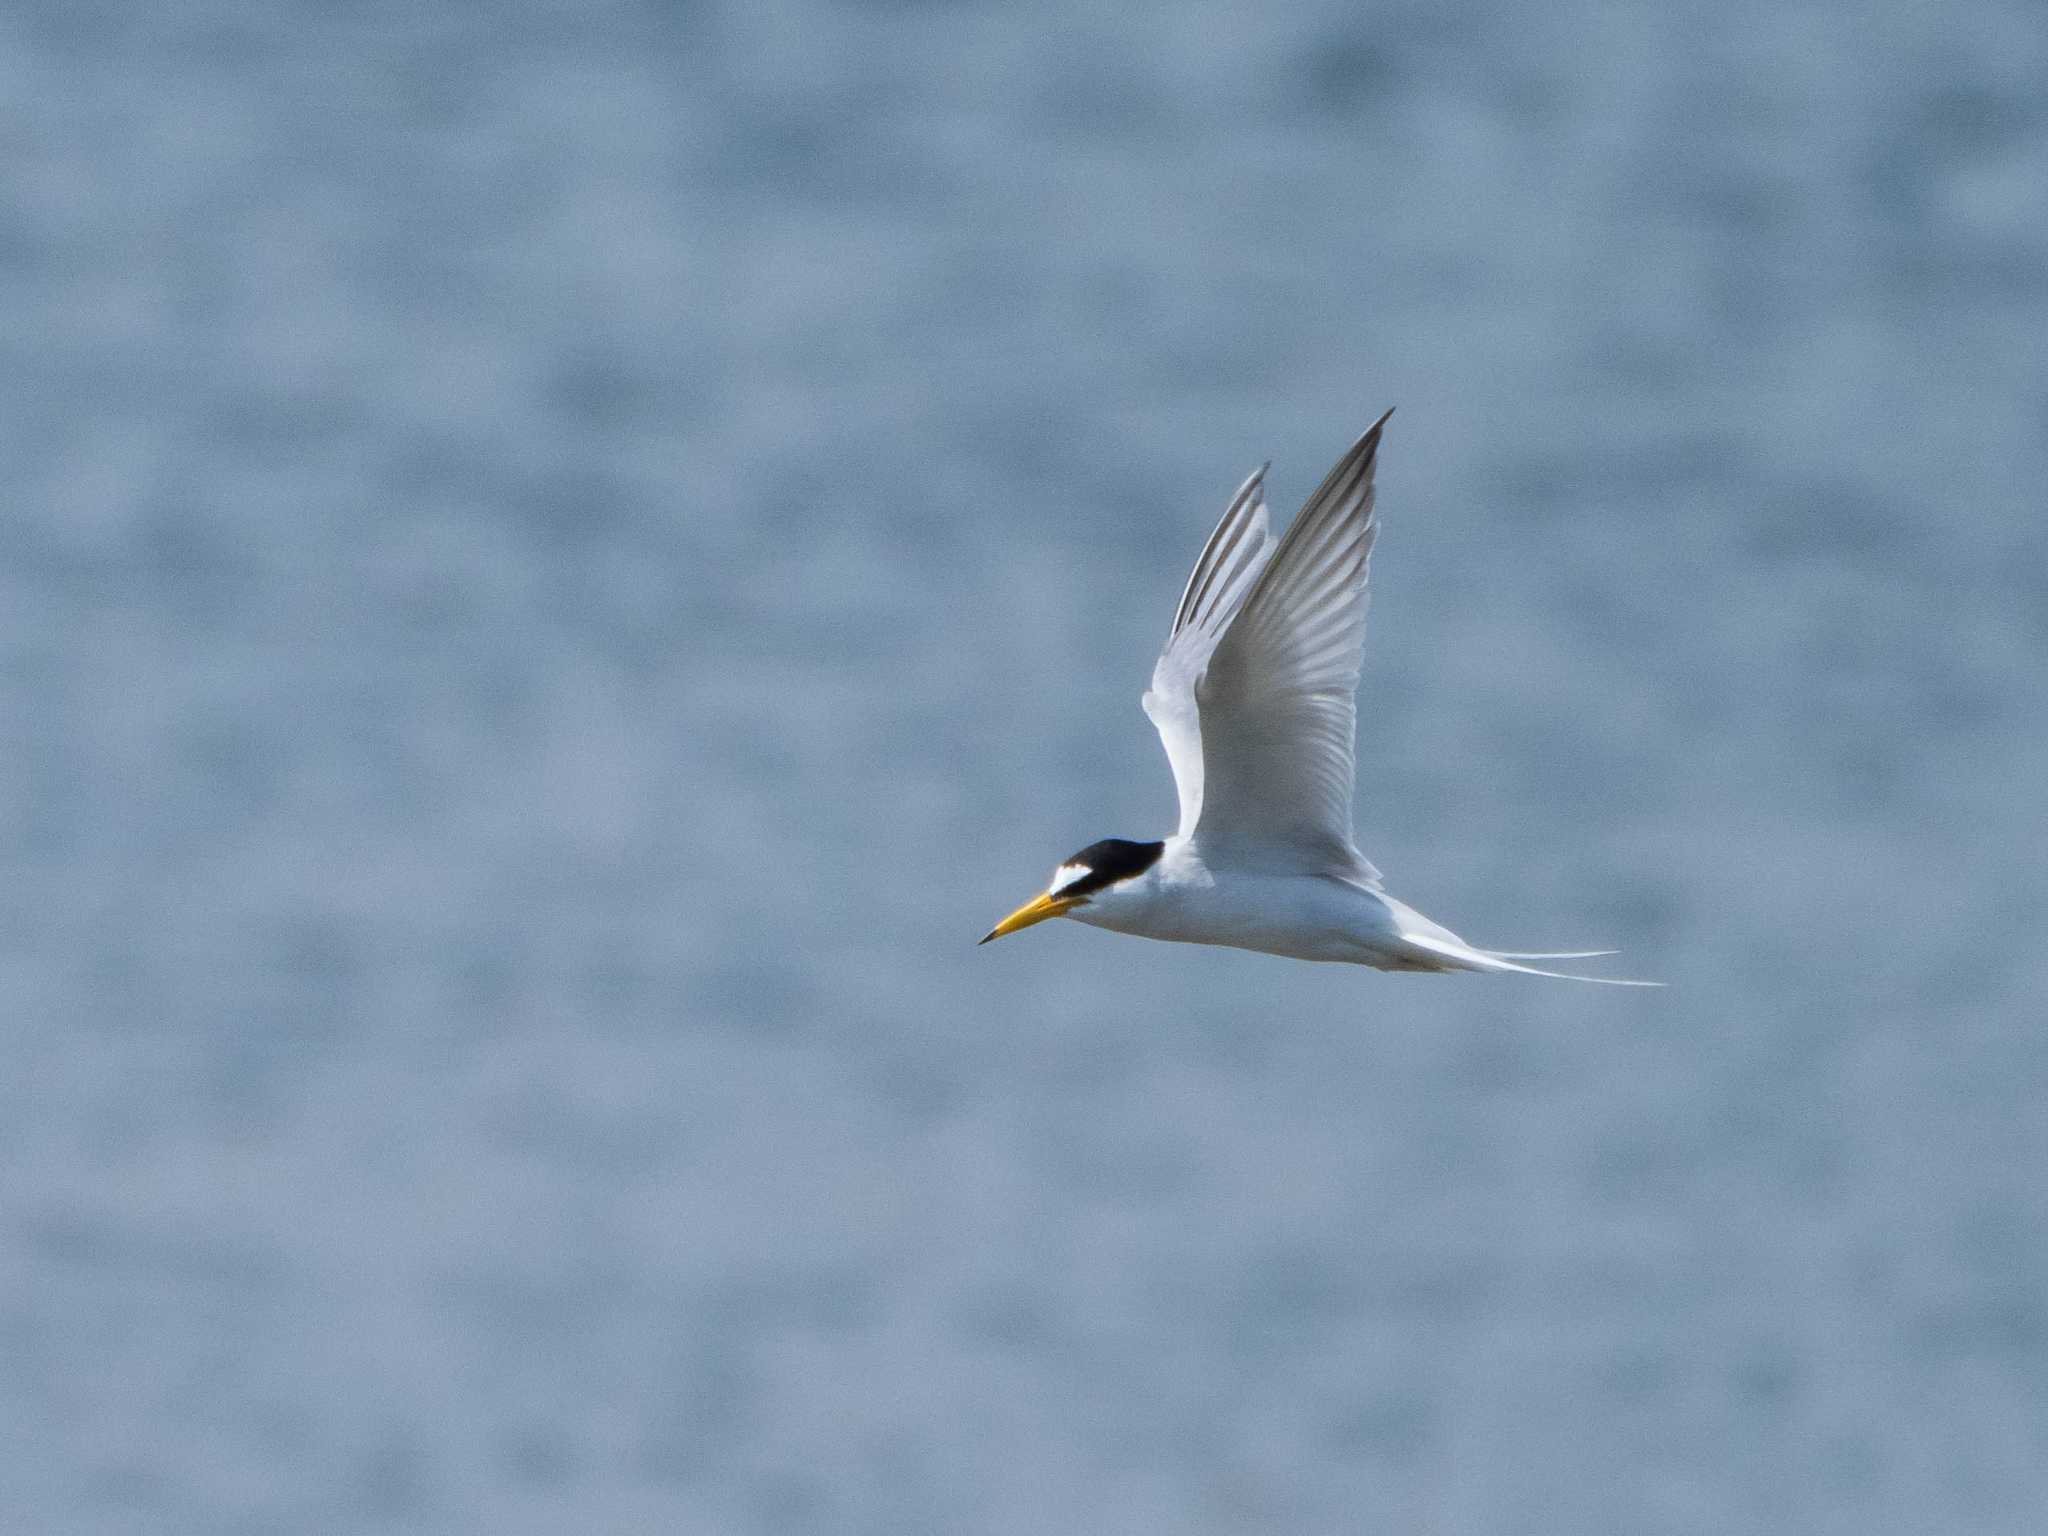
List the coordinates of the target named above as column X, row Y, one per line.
column 562, row 563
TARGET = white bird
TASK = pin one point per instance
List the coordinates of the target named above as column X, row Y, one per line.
column 1255, row 700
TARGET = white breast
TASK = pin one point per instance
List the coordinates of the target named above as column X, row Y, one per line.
column 1305, row 917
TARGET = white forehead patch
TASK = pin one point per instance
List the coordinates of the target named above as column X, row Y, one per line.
column 1066, row 875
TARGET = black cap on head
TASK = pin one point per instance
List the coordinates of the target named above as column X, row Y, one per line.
column 1106, row 862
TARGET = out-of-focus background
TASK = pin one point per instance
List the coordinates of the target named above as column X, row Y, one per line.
column 561, row 563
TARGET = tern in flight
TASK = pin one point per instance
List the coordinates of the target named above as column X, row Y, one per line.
column 1255, row 700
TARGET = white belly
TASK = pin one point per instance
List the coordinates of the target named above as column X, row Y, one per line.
column 1304, row 917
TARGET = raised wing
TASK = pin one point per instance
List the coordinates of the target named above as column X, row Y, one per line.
column 1277, row 700
column 1223, row 575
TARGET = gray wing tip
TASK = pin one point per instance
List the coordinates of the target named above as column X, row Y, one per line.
column 1371, row 435
column 1360, row 459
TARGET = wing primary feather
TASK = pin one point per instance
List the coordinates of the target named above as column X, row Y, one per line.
column 1276, row 711
column 1221, row 550
column 1325, row 512
column 1197, row 598
column 1224, row 573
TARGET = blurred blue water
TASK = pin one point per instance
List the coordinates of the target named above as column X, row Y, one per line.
column 562, row 563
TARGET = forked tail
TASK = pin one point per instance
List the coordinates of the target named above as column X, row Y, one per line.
column 1456, row 955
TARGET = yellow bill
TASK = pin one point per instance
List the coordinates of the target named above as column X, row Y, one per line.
column 1037, row 910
